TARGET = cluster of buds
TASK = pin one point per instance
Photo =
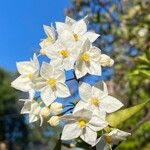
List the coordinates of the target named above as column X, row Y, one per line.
column 69, row 47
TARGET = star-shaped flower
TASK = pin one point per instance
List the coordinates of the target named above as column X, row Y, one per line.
column 32, row 108
column 75, row 31
column 50, row 40
column 88, row 60
column 94, row 99
column 28, row 70
column 63, row 54
column 83, row 124
column 52, row 83
column 111, row 138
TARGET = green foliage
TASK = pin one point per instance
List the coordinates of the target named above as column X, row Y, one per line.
column 119, row 117
column 7, row 93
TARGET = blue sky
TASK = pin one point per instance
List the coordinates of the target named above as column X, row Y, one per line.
column 21, row 27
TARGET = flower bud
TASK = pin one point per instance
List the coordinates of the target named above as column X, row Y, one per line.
column 56, row 108
column 54, row 121
column 105, row 60
column 45, row 111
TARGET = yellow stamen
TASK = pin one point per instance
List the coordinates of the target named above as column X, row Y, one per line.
column 52, row 83
column 65, row 53
column 108, row 139
column 75, row 37
column 82, row 123
column 30, row 75
column 95, row 101
column 43, row 51
column 85, row 57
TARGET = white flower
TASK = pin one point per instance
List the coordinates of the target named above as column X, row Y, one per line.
column 28, row 70
column 53, row 84
column 88, row 60
column 70, row 21
column 111, row 138
column 93, row 98
column 32, row 108
column 50, row 40
column 82, row 124
column 54, row 121
column 56, row 108
column 105, row 60
column 63, row 54
column 75, row 31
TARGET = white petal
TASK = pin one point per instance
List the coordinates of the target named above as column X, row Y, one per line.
column 94, row 68
column 33, row 118
column 80, row 105
column 31, row 94
column 80, row 69
column 101, row 144
column 71, row 131
column 97, row 123
column 59, row 75
column 110, row 104
column 27, row 107
column 89, row 136
column 68, row 64
column 22, row 83
column 85, row 91
column 117, row 134
column 95, row 54
column 25, row 67
column 86, row 46
column 39, row 83
column 52, row 52
column 35, row 109
column 47, row 95
column 83, row 113
column 69, row 21
column 47, row 70
column 67, row 37
column 50, row 31
column 35, row 62
column 62, row 90
column 91, row 36
column 60, row 27
column 79, row 27
column 98, row 93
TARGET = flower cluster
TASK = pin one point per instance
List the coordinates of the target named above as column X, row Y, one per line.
column 69, row 46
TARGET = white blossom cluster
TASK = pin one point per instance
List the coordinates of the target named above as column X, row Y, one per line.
column 69, row 47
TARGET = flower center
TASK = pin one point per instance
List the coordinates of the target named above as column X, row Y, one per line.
column 75, row 37
column 95, row 101
column 65, row 53
column 30, row 75
column 82, row 123
column 108, row 139
column 52, row 83
column 43, row 51
column 85, row 57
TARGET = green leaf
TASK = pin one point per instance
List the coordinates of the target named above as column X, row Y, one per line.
column 58, row 145
column 117, row 118
column 146, row 73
